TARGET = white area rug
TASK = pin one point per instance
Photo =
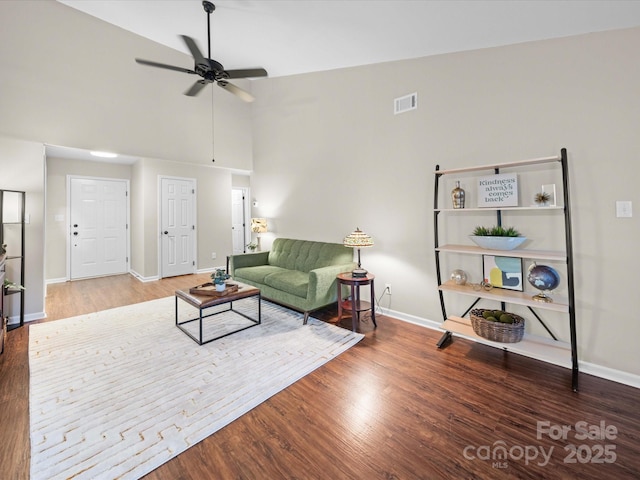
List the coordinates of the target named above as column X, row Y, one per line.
column 117, row 393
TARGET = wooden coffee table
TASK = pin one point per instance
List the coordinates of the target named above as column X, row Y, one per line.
column 206, row 302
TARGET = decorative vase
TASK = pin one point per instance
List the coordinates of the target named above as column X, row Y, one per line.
column 497, row 243
column 459, row 277
column 457, row 195
column 220, row 287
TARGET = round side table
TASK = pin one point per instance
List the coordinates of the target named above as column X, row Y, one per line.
column 354, row 305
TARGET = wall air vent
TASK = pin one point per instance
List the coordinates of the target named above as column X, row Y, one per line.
column 406, row 103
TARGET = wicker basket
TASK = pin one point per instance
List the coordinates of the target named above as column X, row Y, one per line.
column 497, row 331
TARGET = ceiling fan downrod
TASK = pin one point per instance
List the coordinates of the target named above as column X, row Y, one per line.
column 209, row 8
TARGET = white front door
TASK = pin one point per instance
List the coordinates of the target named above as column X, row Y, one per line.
column 98, row 227
column 177, row 226
column 238, row 220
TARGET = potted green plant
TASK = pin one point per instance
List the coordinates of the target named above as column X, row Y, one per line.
column 251, row 246
column 10, row 286
column 219, row 277
column 497, row 237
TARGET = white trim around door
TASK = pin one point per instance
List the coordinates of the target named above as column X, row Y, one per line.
column 98, row 218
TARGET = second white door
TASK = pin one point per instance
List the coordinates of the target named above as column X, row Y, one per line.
column 177, row 226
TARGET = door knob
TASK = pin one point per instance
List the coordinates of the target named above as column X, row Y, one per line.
column 75, row 233
column 165, row 232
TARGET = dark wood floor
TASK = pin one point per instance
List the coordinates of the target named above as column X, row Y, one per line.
column 392, row 407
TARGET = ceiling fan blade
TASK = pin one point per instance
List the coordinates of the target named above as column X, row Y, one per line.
column 195, row 52
column 163, row 65
column 230, row 87
column 195, row 88
column 247, row 73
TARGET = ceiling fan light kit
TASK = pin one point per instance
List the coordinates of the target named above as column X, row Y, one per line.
column 210, row 70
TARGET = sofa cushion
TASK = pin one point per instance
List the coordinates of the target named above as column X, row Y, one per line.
column 257, row 274
column 304, row 255
column 290, row 281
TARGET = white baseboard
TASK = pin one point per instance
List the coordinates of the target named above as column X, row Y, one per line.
column 610, row 374
column 209, row 270
column 157, row 277
column 28, row 317
column 600, row 371
column 51, row 281
column 143, row 279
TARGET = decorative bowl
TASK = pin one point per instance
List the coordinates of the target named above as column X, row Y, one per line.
column 497, row 243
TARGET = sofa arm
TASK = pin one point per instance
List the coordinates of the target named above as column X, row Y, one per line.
column 247, row 260
column 322, row 281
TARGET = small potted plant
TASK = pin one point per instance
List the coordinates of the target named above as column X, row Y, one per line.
column 497, row 237
column 251, row 246
column 10, row 286
column 219, row 277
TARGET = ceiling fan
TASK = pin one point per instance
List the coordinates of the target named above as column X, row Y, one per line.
column 207, row 68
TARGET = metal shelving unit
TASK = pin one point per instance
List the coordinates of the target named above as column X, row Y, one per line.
column 552, row 350
column 12, row 233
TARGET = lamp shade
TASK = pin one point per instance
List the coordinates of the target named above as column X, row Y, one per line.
column 258, row 225
column 358, row 239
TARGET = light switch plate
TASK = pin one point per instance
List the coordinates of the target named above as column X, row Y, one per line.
column 624, row 209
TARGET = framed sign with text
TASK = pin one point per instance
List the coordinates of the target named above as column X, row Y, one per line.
column 498, row 190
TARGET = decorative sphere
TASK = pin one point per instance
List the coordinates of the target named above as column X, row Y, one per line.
column 459, row 277
column 543, row 277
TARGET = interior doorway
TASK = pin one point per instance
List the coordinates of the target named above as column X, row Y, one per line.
column 98, row 226
column 177, row 226
column 239, row 219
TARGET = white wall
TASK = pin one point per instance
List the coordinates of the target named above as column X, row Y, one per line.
column 56, row 206
column 213, row 192
column 70, row 79
column 213, row 211
column 22, row 167
column 330, row 155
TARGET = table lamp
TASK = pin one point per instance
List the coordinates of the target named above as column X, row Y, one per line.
column 258, row 225
column 358, row 239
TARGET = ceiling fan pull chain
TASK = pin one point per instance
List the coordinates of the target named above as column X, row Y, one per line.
column 213, row 136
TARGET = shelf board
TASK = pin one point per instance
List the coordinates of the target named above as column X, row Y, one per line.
column 533, row 254
column 541, row 348
column 559, row 304
column 494, row 209
column 12, row 291
column 521, row 163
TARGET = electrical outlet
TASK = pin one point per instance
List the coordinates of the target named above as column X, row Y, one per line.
column 213, row 255
column 387, row 288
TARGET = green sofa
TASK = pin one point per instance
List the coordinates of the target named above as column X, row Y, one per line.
column 299, row 274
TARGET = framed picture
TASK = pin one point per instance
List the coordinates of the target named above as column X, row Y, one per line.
column 550, row 189
column 498, row 190
column 503, row 272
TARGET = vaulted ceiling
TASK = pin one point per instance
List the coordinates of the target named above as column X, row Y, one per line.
column 290, row 37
